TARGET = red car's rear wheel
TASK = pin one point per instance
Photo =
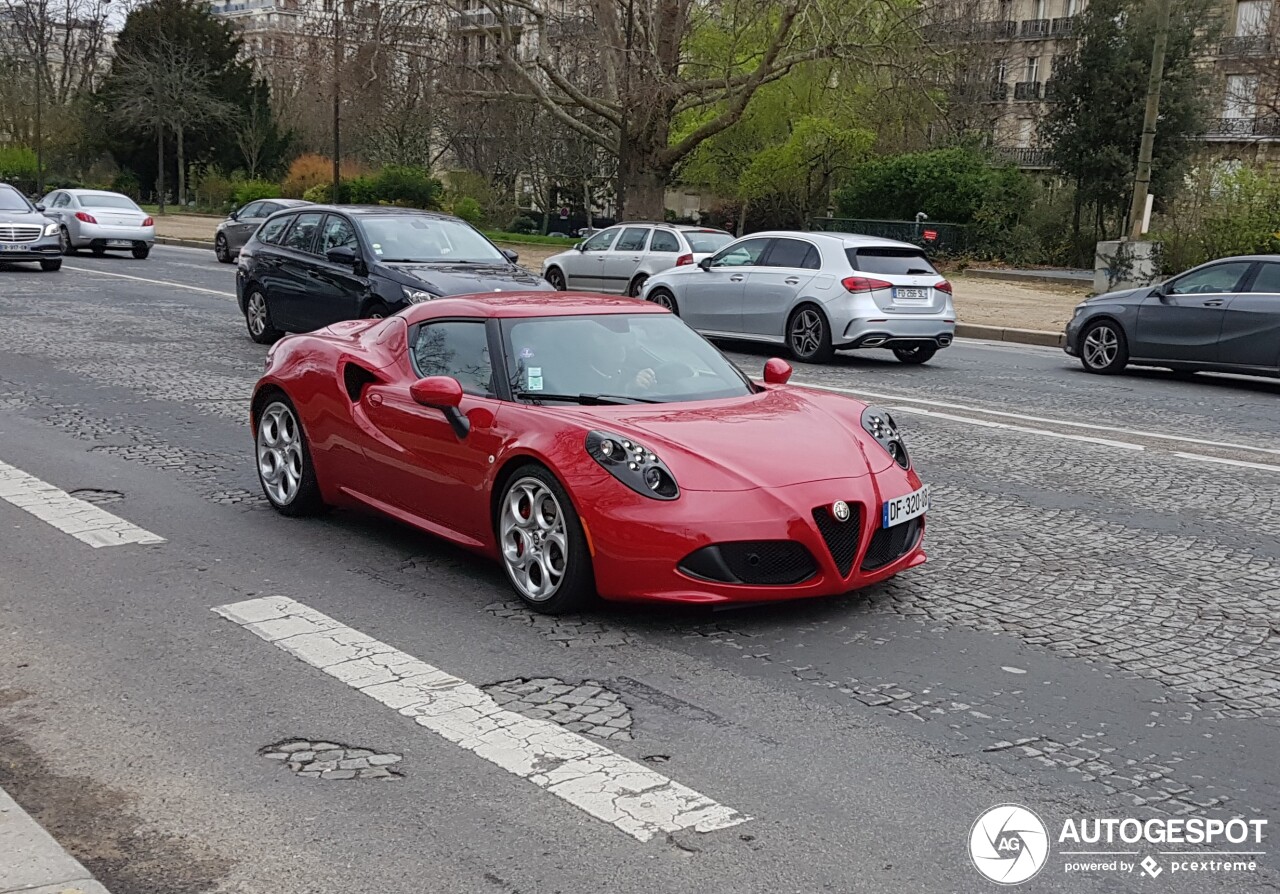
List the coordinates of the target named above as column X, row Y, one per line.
column 541, row 542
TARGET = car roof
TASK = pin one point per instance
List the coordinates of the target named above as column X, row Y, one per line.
column 95, row 192
column 288, row 203
column 846, row 240
column 684, row 228
column 374, row 210
column 527, row 304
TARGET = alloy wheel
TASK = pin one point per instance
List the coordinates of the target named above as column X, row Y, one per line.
column 806, row 332
column 256, row 313
column 556, row 278
column 280, row 453
column 663, row 299
column 1101, row 347
column 535, row 544
column 220, row 249
column 64, row 241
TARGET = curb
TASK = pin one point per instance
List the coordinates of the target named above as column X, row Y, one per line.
column 1018, row 336
column 32, row 862
column 1010, row 276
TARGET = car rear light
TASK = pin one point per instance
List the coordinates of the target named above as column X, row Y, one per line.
column 148, row 222
column 864, row 284
column 85, row 217
column 684, row 260
column 944, row 286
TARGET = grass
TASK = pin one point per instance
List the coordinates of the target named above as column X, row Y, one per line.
column 527, row 239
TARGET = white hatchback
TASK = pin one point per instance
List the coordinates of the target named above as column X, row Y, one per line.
column 621, row 259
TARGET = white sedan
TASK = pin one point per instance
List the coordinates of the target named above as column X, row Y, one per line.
column 100, row 221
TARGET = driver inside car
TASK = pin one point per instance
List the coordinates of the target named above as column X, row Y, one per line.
column 606, row 368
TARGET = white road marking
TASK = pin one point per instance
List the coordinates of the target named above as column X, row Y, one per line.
column 589, row 776
column 83, row 521
column 1229, row 462
column 986, row 423
column 154, row 282
column 857, row 392
column 1011, row 669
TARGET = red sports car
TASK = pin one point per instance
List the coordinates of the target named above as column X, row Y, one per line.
column 592, row 445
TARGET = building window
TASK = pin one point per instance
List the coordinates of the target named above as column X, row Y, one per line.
column 1037, row 9
column 1033, row 68
column 1252, row 18
column 1025, row 132
column 1242, row 92
column 1001, row 72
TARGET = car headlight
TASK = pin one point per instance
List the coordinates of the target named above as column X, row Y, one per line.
column 633, row 464
column 1080, row 308
column 417, row 296
column 51, row 229
column 880, row 425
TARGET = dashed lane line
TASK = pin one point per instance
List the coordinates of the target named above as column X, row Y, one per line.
column 1266, row 467
column 84, row 521
column 606, row 785
column 154, row 282
column 986, row 423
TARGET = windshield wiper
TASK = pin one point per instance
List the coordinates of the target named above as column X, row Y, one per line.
column 589, row 399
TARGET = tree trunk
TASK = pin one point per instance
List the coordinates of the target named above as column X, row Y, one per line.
column 643, row 176
column 160, row 167
column 742, row 218
column 586, row 200
column 182, row 169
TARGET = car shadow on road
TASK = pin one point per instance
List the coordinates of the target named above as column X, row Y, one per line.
column 1223, row 381
column 863, row 359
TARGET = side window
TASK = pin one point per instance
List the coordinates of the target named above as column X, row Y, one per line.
column 632, row 239
column 1268, row 280
column 269, row 208
column 1210, row 280
column 600, row 241
column 793, row 253
column 741, row 254
column 338, row 233
column 272, row 230
column 62, row 201
column 250, row 211
column 302, row 234
column 665, row 241
column 455, row 348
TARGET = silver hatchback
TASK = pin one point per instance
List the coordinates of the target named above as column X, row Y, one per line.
column 815, row 293
column 621, row 258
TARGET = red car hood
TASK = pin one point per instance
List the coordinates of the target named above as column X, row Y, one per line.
column 775, row 438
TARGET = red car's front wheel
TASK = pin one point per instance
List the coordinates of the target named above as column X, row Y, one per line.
column 542, row 545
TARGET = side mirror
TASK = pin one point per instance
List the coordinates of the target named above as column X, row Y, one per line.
column 234, row 215
column 777, row 371
column 510, row 255
column 581, row 246
column 442, row 393
column 40, row 207
column 343, row 254
column 705, row 263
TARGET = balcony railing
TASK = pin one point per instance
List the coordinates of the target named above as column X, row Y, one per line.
column 997, row 92
column 1244, row 128
column 1027, row 90
column 1051, row 89
column 1062, row 27
column 962, row 30
column 486, row 18
column 1025, row 158
column 1245, row 46
column 1035, row 29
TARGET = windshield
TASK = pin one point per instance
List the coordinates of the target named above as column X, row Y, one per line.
column 903, row 261
column 623, row 358
column 428, row 240
column 101, row 201
column 707, row 243
column 12, row 200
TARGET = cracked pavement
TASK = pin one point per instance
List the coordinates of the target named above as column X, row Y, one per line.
column 1096, row 633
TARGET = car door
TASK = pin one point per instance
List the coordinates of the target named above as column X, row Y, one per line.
column 335, row 291
column 58, row 207
column 247, row 221
column 1182, row 320
column 771, row 291
column 584, row 267
column 711, row 299
column 291, row 287
column 623, row 259
column 420, row 465
column 664, row 252
column 1251, row 322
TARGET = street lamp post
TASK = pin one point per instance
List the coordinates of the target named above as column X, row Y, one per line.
column 39, row 130
column 1142, row 176
column 337, row 101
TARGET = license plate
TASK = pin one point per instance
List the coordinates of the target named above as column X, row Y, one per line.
column 10, row 246
column 903, row 509
column 120, row 243
column 904, row 294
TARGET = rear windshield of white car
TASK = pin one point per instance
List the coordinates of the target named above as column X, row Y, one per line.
column 707, row 242
column 12, row 200
column 900, row 261
column 108, row 202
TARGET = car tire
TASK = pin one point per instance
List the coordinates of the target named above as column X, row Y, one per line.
column 220, row 249
column 1103, row 347
column 663, row 298
column 914, row 355
column 540, row 538
column 809, row 335
column 285, row 470
column 51, row 266
column 64, row 242
column 257, row 318
column 140, row 252
column 636, row 286
column 377, row 311
column 555, row 276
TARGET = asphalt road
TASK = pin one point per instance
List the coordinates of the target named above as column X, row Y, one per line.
column 1096, row 634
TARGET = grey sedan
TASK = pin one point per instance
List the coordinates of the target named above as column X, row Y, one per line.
column 234, row 232
column 1222, row 316
column 100, row 221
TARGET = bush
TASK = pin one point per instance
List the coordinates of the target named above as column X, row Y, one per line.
column 407, row 186
column 1223, row 212
column 253, row 190
column 126, row 183
column 18, row 167
column 320, row 194
column 469, row 210
column 213, row 190
column 523, row 224
column 310, row 170
column 947, row 184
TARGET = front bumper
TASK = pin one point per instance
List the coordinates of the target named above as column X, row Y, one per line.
column 639, row 545
column 1071, row 341
column 100, row 235
column 43, row 249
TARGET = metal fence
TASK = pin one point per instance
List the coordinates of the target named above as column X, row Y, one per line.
column 934, row 238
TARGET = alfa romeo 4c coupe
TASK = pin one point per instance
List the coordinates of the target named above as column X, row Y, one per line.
column 591, row 445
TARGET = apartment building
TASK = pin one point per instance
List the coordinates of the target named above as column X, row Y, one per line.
column 1013, row 48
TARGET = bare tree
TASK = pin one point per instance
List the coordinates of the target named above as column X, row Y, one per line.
column 253, row 131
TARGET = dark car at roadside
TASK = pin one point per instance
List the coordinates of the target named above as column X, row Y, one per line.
column 307, row 268
column 25, row 233
column 233, row 232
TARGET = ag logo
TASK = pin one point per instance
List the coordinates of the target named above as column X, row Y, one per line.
column 840, row 509
column 1008, row 844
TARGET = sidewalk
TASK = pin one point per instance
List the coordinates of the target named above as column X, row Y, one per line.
column 32, row 862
